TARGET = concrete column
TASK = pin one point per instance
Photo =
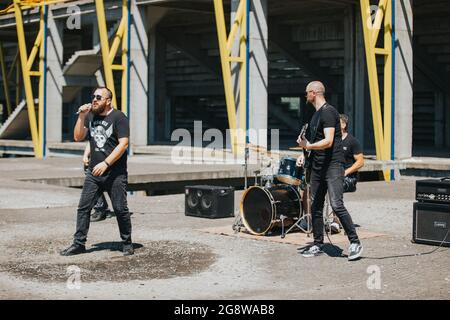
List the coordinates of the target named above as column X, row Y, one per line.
column 259, row 68
column 95, row 35
column 403, row 79
column 138, row 76
column 354, row 72
column 55, row 79
column 235, row 74
column 349, row 65
column 360, row 81
column 157, row 85
column 156, row 77
column 258, row 92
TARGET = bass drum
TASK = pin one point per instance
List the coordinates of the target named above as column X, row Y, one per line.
column 262, row 207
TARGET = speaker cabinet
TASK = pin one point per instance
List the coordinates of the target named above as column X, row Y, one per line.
column 209, row 201
column 431, row 223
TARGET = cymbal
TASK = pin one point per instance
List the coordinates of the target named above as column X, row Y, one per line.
column 296, row 148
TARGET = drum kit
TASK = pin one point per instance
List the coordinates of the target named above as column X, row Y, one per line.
column 276, row 200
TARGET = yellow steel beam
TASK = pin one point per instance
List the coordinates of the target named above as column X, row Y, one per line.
column 225, row 46
column 117, row 40
column 236, row 59
column 226, row 70
column 236, row 24
column 378, row 21
column 27, row 78
column 5, row 80
column 109, row 53
column 104, row 44
column 39, row 3
column 35, row 49
column 118, row 67
column 382, row 51
column 41, row 114
column 30, row 4
column 381, row 124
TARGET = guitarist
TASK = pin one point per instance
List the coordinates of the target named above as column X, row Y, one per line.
column 326, row 167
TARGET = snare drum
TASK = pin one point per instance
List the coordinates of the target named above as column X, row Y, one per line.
column 289, row 173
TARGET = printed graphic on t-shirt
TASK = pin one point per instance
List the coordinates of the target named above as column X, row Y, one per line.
column 100, row 134
column 104, row 133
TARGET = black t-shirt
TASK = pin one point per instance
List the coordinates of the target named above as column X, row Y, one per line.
column 351, row 147
column 104, row 133
column 326, row 117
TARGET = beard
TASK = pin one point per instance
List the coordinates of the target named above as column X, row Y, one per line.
column 98, row 109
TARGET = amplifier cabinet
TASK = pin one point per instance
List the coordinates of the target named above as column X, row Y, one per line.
column 431, row 222
column 209, row 201
column 433, row 190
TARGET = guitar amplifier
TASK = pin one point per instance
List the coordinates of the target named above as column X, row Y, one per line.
column 431, row 223
column 433, row 190
column 209, row 201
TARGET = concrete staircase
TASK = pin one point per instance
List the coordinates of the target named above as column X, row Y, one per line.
column 17, row 126
column 84, row 63
column 87, row 62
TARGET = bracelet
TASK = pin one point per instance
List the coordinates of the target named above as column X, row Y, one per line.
column 107, row 163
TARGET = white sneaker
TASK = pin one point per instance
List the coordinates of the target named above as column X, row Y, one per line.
column 354, row 251
column 312, row 251
column 335, row 228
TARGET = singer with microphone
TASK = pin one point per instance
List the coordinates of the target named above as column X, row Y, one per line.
column 108, row 131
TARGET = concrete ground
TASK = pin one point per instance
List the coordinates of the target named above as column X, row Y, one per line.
column 175, row 260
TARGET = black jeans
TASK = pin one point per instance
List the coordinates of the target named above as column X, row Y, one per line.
column 101, row 204
column 116, row 186
column 331, row 179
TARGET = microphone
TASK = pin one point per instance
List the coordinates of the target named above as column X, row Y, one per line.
column 79, row 110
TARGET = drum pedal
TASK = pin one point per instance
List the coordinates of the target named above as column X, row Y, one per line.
column 237, row 224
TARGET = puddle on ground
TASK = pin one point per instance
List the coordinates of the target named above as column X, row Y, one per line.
column 40, row 261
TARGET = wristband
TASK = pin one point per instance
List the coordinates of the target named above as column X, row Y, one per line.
column 106, row 163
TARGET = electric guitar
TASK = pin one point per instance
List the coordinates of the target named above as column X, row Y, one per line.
column 306, row 153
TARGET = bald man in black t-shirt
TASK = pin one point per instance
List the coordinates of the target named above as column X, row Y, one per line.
column 326, row 170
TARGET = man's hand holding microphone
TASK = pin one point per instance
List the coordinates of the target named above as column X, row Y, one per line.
column 84, row 109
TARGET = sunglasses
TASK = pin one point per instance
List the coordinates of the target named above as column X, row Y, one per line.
column 317, row 92
column 97, row 97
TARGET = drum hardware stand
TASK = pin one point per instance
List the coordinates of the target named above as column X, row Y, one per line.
column 306, row 216
column 329, row 216
column 237, row 224
column 257, row 172
column 308, row 229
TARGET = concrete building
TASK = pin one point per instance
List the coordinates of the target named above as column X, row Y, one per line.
column 175, row 75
